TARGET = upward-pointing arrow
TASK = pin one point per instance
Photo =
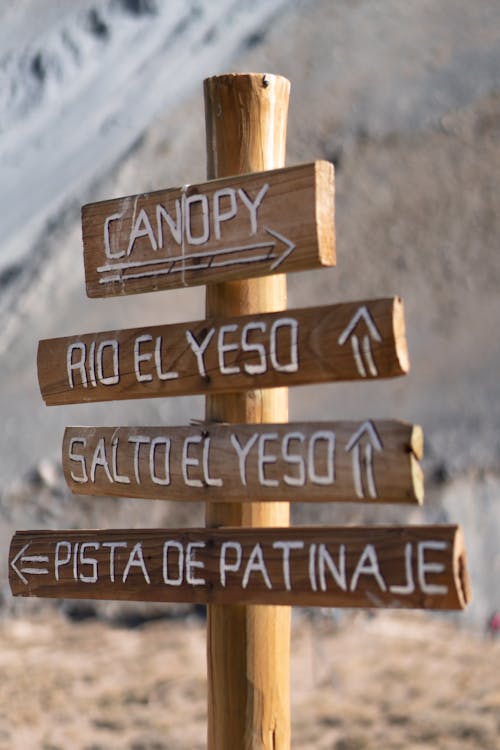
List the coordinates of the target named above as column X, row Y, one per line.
column 362, row 314
column 354, row 445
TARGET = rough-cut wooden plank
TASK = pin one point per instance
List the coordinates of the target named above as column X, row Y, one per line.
column 238, row 227
column 372, row 461
column 351, row 341
column 411, row 566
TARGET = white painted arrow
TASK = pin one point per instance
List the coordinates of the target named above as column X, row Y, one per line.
column 29, row 560
column 289, row 247
column 354, row 445
column 365, row 351
column 201, row 261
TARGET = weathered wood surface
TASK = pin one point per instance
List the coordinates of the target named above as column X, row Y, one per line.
column 248, row 647
column 238, row 227
column 420, row 567
column 351, row 341
column 372, row 461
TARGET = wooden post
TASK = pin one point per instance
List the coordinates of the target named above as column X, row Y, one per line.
column 248, row 646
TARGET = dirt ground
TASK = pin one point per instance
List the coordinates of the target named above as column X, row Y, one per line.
column 395, row 680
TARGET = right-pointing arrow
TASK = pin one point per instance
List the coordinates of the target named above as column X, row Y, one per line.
column 201, row 260
column 289, row 247
column 354, row 445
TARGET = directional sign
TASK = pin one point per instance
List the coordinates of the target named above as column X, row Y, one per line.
column 252, row 225
column 226, row 355
column 416, row 566
column 320, row 461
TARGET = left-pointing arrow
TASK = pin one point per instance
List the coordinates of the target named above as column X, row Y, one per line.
column 28, row 563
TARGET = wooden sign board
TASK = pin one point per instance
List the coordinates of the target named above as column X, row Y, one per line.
column 415, row 567
column 320, row 461
column 251, row 225
column 352, row 341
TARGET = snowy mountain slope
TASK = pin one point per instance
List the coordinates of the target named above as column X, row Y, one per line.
column 79, row 83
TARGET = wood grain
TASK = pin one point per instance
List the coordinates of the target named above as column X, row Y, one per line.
column 372, row 461
column 421, row 567
column 362, row 340
column 237, row 227
column 248, row 647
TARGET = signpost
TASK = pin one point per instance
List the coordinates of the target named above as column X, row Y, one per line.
column 248, row 647
column 253, row 218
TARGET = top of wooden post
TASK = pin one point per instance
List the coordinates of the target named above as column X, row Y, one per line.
column 251, row 106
